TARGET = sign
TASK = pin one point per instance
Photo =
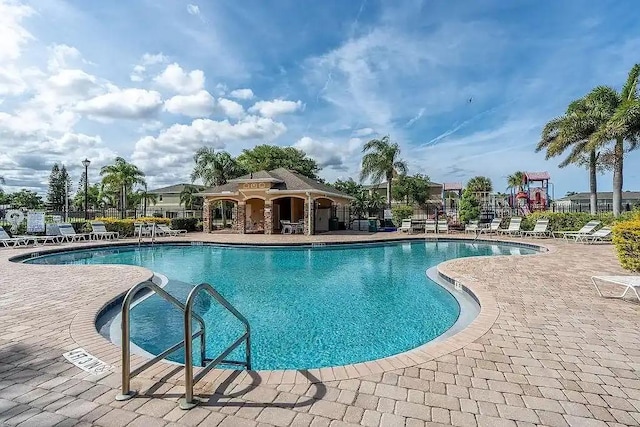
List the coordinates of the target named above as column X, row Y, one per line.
column 35, row 222
column 56, row 218
column 87, row 362
column 388, row 214
column 15, row 218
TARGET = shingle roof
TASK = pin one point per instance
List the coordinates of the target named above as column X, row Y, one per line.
column 284, row 180
column 171, row 189
column 603, row 195
column 452, row 186
column 537, row 176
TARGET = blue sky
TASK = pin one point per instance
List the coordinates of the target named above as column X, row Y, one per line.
column 153, row 81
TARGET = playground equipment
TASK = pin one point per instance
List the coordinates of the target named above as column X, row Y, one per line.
column 534, row 195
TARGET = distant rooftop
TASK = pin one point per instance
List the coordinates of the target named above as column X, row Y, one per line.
column 452, row 186
column 537, row 176
column 602, row 195
column 172, row 189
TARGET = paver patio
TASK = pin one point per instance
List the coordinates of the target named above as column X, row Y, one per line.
column 556, row 355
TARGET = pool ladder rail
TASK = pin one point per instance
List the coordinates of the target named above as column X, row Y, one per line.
column 143, row 230
column 207, row 364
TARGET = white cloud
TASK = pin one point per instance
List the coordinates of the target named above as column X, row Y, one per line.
column 336, row 155
column 231, row 108
column 138, row 73
column 241, row 94
column 197, row 105
column 363, row 132
column 193, row 9
column 275, row 107
column 177, row 80
column 63, row 56
column 11, row 81
column 122, row 104
column 13, row 36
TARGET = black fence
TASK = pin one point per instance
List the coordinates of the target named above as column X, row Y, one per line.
column 586, row 207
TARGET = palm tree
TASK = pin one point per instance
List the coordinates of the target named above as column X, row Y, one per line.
column 120, row 177
column 382, row 160
column 622, row 126
column 480, row 184
column 514, row 181
column 188, row 196
column 145, row 198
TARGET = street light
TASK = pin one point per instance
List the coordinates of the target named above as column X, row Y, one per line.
column 86, row 163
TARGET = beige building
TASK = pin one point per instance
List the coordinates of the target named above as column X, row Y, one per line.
column 168, row 203
column 275, row 201
column 434, row 198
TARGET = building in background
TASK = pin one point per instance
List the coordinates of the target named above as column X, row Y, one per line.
column 168, row 203
column 579, row 202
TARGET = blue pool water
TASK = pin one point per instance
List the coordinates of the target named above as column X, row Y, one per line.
column 308, row 307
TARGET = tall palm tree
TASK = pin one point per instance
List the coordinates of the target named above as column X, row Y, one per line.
column 382, row 160
column 120, row 178
column 623, row 126
column 514, row 181
column 571, row 132
column 146, row 198
column 188, row 196
column 480, row 184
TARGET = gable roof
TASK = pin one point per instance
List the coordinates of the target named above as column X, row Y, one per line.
column 172, row 189
column 537, row 176
column 283, row 180
column 602, row 195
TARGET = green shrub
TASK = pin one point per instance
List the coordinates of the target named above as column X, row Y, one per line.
column 126, row 226
column 626, row 238
column 469, row 207
column 188, row 224
column 571, row 221
column 399, row 213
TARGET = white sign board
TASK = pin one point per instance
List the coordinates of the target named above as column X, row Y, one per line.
column 57, row 218
column 87, row 362
column 35, row 222
column 388, row 214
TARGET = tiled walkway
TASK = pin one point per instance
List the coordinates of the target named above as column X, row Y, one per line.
column 557, row 355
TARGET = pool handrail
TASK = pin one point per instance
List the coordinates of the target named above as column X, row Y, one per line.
column 127, row 373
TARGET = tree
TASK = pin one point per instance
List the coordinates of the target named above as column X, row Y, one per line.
column 189, row 199
column 411, row 189
column 268, row 157
column 120, row 178
column 382, row 160
column 215, row 168
column 26, row 199
column 93, row 196
column 469, row 206
column 514, row 181
column 59, row 188
column 374, row 202
column 144, row 198
column 349, row 187
column 622, row 126
column 480, row 184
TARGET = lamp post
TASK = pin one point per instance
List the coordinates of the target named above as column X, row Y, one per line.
column 86, row 163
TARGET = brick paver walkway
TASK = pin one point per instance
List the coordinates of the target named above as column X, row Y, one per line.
column 557, row 355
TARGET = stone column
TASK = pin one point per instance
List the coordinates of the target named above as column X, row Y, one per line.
column 268, row 222
column 308, row 226
column 240, row 222
column 206, row 216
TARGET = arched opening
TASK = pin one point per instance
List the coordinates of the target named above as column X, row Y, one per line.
column 254, row 215
column 222, row 214
column 288, row 214
column 324, row 215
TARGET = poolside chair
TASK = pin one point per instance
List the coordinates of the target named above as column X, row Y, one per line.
column 6, row 240
column 541, row 229
column 140, row 229
column 166, row 231
column 586, row 229
column 629, row 282
column 514, row 226
column 405, row 227
column 443, row 226
column 472, row 227
column 299, row 227
column 430, row 225
column 69, row 234
column 602, row 235
column 417, row 225
column 99, row 232
column 494, row 226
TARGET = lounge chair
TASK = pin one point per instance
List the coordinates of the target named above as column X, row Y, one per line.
column 6, row 240
column 602, row 235
column 430, row 225
column 417, row 225
column 140, row 229
column 494, row 226
column 69, row 234
column 472, row 227
column 165, row 230
column 586, row 229
column 99, row 232
column 443, row 226
column 514, row 226
column 629, row 282
column 541, row 229
column 405, row 227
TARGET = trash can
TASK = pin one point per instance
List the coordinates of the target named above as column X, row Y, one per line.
column 333, row 224
column 373, row 225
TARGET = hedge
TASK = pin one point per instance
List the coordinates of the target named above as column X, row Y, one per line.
column 626, row 238
column 189, row 224
column 401, row 212
column 572, row 221
column 126, row 226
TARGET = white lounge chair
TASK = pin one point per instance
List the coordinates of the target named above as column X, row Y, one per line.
column 629, row 282
column 494, row 226
column 443, row 226
column 99, row 232
column 586, row 229
column 140, row 229
column 541, row 229
column 165, row 230
column 602, row 235
column 514, row 226
column 417, row 225
column 69, row 233
column 6, row 240
column 405, row 226
column 472, row 227
column 430, row 225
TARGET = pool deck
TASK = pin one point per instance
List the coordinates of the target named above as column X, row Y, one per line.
column 545, row 350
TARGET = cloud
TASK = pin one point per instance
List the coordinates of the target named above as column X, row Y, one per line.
column 13, row 36
column 231, row 108
column 275, row 107
column 336, row 155
column 193, row 9
column 63, row 56
column 177, row 80
column 241, row 94
column 122, row 104
column 197, row 105
column 138, row 74
column 363, row 132
column 416, row 117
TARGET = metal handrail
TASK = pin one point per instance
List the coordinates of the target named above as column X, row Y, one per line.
column 153, row 231
column 208, row 364
column 127, row 374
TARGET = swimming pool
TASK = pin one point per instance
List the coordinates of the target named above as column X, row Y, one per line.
column 308, row 307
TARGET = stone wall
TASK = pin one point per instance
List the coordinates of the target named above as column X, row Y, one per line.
column 268, row 221
column 206, row 216
column 308, row 227
column 239, row 222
